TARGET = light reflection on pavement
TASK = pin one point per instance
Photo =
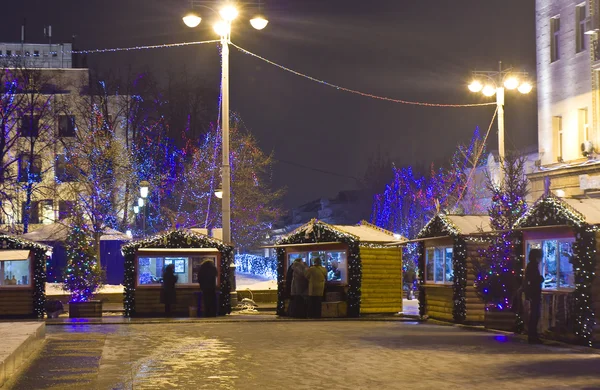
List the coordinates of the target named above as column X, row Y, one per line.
column 300, row 355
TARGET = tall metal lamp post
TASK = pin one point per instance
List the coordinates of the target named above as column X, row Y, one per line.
column 227, row 14
column 492, row 83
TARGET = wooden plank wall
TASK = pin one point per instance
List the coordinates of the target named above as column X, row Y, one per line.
column 147, row 301
column 381, row 288
column 440, row 301
column 475, row 306
column 16, row 302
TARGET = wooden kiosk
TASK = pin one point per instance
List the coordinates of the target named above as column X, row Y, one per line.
column 22, row 278
column 145, row 260
column 363, row 275
column 448, row 244
column 567, row 231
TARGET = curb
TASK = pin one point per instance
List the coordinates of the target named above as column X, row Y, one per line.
column 18, row 359
column 258, row 318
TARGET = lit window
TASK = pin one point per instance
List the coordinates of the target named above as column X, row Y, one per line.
column 150, row 269
column 554, row 36
column 557, row 130
column 14, row 272
column 556, row 266
column 438, row 264
column 335, row 263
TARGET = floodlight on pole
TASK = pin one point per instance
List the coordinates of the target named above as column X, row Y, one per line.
column 226, row 15
column 495, row 84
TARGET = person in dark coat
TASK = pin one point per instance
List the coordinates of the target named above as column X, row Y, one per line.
column 207, row 277
column 288, row 289
column 299, row 288
column 533, row 293
column 168, row 285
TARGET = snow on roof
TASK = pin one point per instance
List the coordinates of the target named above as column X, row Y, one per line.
column 367, row 232
column 364, row 231
column 589, row 208
column 469, row 224
column 58, row 232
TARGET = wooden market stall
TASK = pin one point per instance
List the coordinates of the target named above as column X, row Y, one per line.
column 567, row 231
column 363, row 275
column 22, row 277
column 186, row 250
column 448, row 247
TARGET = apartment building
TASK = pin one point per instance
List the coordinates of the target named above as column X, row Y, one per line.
column 39, row 129
column 568, row 62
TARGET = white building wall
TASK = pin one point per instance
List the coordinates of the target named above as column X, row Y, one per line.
column 564, row 86
column 37, row 55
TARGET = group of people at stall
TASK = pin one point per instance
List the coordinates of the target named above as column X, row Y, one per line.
column 305, row 286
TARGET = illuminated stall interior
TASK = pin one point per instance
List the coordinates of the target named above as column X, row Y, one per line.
column 567, row 231
column 445, row 242
column 364, row 276
column 145, row 261
column 22, row 277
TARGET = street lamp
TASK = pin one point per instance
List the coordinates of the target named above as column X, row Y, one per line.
column 227, row 14
column 491, row 83
column 144, row 186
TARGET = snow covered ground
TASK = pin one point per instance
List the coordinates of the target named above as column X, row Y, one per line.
column 243, row 282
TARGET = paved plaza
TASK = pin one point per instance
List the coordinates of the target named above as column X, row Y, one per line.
column 300, row 355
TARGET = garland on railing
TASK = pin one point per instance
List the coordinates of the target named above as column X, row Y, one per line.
column 317, row 231
column 177, row 239
column 550, row 211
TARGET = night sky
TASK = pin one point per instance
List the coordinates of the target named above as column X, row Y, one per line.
column 404, row 49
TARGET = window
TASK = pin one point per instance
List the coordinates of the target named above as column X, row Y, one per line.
column 557, row 130
column 66, row 126
column 46, row 210
column 334, row 262
column 554, row 38
column 580, row 27
column 63, row 170
column 438, row 265
column 9, row 53
column 29, row 126
column 34, row 212
column 15, row 272
column 150, row 268
column 36, row 53
column 583, row 125
column 64, row 209
column 28, row 170
column 556, row 266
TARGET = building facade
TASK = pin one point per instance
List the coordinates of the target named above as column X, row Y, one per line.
column 37, row 55
column 568, row 105
column 46, row 111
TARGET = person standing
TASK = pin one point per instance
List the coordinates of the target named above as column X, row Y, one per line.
column 533, row 293
column 316, row 276
column 168, row 285
column 207, row 278
column 299, row 288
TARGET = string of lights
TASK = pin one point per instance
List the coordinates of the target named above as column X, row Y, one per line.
column 365, row 94
column 162, row 46
column 353, row 91
column 478, row 156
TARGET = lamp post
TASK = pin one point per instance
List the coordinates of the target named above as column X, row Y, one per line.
column 492, row 83
column 227, row 14
column 142, row 203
